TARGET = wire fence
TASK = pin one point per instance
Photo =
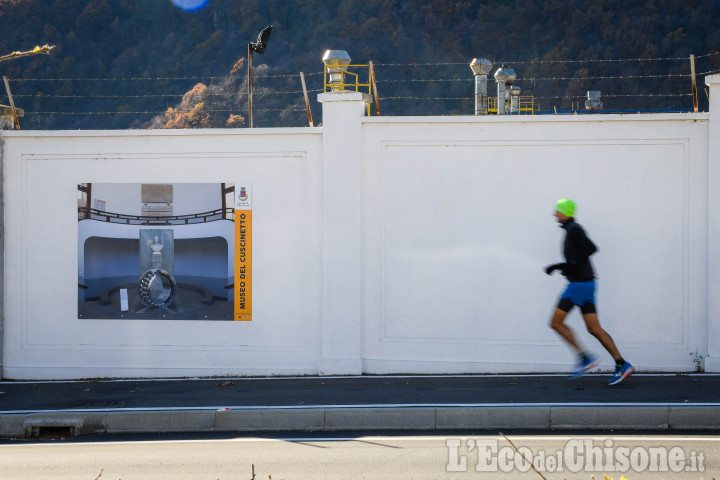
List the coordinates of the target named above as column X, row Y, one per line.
column 638, row 84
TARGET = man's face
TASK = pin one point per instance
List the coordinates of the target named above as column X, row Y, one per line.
column 560, row 217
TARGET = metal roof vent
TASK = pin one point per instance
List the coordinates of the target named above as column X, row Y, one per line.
column 504, row 78
column 593, row 100
column 338, row 60
column 510, row 76
column 481, row 67
column 515, row 100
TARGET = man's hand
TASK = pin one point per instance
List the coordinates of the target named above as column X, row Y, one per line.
column 555, row 266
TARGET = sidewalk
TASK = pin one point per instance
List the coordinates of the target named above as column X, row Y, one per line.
column 662, row 402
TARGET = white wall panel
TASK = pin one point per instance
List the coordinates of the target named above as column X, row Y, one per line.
column 459, row 227
column 44, row 336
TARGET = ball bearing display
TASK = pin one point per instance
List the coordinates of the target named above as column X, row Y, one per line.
column 148, row 290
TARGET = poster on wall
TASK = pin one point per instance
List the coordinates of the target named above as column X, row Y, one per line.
column 164, row 251
column 243, row 249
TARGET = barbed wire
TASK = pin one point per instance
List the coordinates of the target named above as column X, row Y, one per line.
column 168, row 95
column 289, row 109
column 470, row 99
column 163, row 79
column 611, row 77
column 316, row 73
column 538, row 79
column 379, row 80
column 534, row 61
column 619, row 95
column 265, row 88
column 707, row 55
column 315, row 91
column 302, row 109
column 655, row 95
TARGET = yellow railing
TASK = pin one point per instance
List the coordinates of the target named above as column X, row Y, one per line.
column 353, row 84
column 526, row 104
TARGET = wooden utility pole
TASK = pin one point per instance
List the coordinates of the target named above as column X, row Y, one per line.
column 250, row 85
column 307, row 100
column 12, row 103
column 374, row 86
column 45, row 49
column 694, row 82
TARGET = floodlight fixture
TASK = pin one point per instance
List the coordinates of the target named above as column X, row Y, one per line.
column 259, row 46
column 262, row 41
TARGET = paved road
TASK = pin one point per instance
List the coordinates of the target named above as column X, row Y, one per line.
column 669, row 402
column 372, row 457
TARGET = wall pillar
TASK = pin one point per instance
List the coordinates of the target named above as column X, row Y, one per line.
column 712, row 362
column 2, row 257
column 342, row 291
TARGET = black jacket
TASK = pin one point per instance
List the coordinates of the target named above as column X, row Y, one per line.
column 577, row 250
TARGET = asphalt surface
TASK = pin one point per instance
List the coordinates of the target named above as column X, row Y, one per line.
column 365, row 390
column 663, row 402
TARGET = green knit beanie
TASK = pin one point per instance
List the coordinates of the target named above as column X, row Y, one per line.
column 566, row 207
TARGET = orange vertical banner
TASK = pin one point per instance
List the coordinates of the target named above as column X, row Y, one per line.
column 243, row 252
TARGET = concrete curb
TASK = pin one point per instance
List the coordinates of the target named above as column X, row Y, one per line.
column 376, row 417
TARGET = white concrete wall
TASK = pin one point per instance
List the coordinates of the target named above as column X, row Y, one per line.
column 403, row 245
column 713, row 180
column 459, row 225
column 43, row 335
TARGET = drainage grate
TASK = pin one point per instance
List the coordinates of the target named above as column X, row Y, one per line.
column 52, row 433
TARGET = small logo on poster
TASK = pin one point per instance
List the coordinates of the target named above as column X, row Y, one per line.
column 243, row 201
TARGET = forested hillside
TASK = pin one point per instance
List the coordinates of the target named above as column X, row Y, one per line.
column 125, row 63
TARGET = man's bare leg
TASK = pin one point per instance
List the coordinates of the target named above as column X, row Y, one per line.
column 557, row 324
column 593, row 326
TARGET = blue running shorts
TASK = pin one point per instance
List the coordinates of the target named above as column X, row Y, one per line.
column 580, row 293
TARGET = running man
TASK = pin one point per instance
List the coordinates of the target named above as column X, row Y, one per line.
column 580, row 291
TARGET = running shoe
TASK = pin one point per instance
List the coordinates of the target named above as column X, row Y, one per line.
column 584, row 365
column 621, row 373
